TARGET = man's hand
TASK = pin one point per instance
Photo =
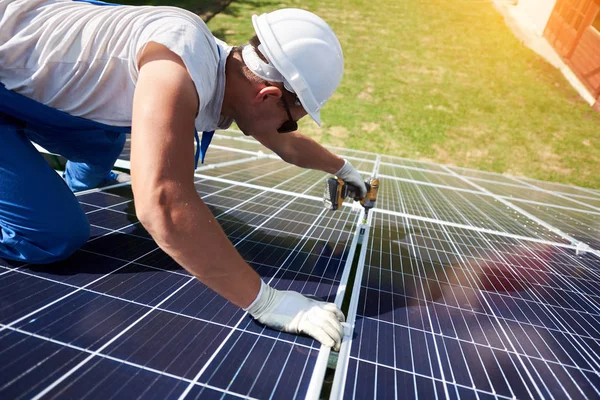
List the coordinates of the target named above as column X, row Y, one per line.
column 350, row 175
column 292, row 312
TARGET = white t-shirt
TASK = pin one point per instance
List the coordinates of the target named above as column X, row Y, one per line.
column 83, row 59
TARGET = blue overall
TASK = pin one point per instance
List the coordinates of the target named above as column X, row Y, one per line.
column 41, row 221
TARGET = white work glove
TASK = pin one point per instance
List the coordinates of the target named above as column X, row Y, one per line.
column 292, row 312
column 350, row 175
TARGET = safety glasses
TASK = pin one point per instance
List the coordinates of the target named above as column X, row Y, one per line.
column 290, row 125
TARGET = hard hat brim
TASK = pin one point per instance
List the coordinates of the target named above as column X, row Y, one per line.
column 313, row 111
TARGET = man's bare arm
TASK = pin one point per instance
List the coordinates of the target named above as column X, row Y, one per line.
column 167, row 204
column 302, row 151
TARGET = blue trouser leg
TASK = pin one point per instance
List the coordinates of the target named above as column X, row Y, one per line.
column 91, row 154
column 40, row 218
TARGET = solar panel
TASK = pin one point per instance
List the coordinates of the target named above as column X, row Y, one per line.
column 449, row 312
column 121, row 305
column 467, row 284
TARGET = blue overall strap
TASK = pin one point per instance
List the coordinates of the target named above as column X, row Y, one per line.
column 206, row 139
column 97, row 2
column 197, row 154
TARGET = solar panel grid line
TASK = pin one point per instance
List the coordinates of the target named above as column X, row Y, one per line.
column 319, row 216
column 458, row 211
column 111, row 209
column 432, row 221
column 587, row 353
column 316, row 382
column 524, row 192
column 417, row 165
column 227, row 163
column 404, row 159
column 584, row 226
column 121, row 361
column 476, row 279
column 239, row 135
column 554, row 193
column 471, row 227
column 240, row 140
column 20, row 271
column 70, row 293
column 241, row 151
column 479, row 356
column 458, row 189
column 479, row 174
column 103, row 188
column 416, row 250
column 413, row 168
column 520, row 210
column 593, row 305
column 161, row 302
column 251, row 199
column 184, row 394
column 570, row 190
column 444, row 200
column 435, row 185
column 265, row 165
column 84, row 350
column 339, row 379
column 108, row 343
column 489, row 346
column 553, row 206
column 370, row 156
column 259, row 187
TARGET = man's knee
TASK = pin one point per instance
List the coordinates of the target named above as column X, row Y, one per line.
column 51, row 244
column 65, row 242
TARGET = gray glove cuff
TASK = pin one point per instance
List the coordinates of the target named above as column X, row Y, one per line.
column 345, row 170
column 262, row 302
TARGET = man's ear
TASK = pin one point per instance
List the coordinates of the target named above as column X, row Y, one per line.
column 267, row 93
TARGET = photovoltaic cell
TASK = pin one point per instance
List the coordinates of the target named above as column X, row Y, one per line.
column 581, row 225
column 478, row 176
column 471, row 288
column 594, row 202
column 405, row 162
column 459, row 207
column 520, row 192
column 560, row 188
column 452, row 313
column 122, row 309
column 276, row 174
column 436, row 178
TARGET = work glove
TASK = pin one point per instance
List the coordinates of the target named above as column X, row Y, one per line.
column 350, row 175
column 292, row 312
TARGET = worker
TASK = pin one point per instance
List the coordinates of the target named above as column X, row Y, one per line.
column 78, row 75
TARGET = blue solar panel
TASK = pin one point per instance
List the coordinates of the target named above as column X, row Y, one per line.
column 448, row 312
column 121, row 307
column 469, row 285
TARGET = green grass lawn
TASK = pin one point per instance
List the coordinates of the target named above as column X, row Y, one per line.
column 447, row 82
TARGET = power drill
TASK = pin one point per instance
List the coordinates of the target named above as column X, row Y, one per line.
column 336, row 190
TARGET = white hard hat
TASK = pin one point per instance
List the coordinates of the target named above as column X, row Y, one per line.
column 305, row 52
